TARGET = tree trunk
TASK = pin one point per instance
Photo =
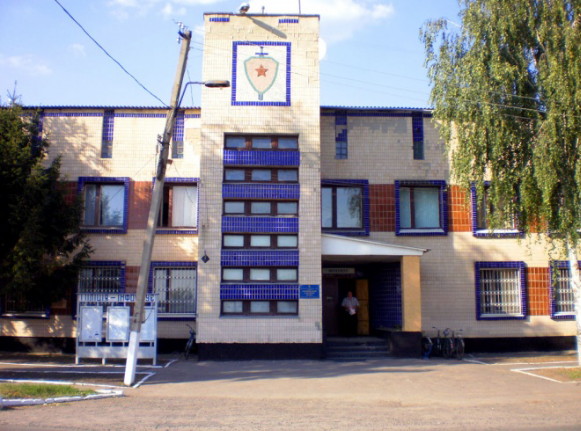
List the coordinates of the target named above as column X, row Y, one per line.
column 576, row 286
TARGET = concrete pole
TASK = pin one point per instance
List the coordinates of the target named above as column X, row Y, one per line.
column 139, row 308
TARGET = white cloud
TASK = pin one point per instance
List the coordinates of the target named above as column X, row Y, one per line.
column 78, row 49
column 340, row 19
column 27, row 64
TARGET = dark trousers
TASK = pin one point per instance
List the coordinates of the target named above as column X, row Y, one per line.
column 350, row 324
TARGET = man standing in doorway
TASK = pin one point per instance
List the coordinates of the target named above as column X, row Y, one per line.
column 351, row 305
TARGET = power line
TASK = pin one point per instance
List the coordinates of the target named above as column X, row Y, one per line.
column 109, row 55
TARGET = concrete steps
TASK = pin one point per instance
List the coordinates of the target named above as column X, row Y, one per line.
column 348, row 349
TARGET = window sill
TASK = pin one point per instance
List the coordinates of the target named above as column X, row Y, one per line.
column 176, row 317
column 177, row 231
column 498, row 233
column 259, row 316
column 563, row 316
column 422, row 232
column 501, row 317
column 103, row 229
column 25, row 316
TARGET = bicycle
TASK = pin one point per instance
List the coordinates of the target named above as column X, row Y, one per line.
column 191, row 342
column 427, row 347
column 453, row 344
column 438, row 342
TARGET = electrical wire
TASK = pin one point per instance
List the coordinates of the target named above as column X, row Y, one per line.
column 109, row 55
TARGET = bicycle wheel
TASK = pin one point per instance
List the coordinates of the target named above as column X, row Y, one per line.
column 189, row 346
column 459, row 349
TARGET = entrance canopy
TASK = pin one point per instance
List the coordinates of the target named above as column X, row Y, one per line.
column 337, row 248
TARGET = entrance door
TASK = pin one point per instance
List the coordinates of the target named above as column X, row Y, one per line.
column 331, row 306
column 362, row 294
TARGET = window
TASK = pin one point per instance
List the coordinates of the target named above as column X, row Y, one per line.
column 107, row 135
column 262, row 143
column 18, row 305
column 500, row 290
column 344, row 206
column 105, row 204
column 260, row 307
column 483, row 211
column 341, row 137
column 562, row 298
column 421, row 208
column 418, row 136
column 261, row 208
column 179, row 208
column 261, row 175
column 102, row 277
column 259, row 274
column 177, row 149
column 175, row 285
column 259, row 241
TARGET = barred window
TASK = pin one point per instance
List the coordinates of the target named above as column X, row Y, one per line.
column 176, row 289
column 101, row 279
column 500, row 290
column 17, row 304
column 562, row 300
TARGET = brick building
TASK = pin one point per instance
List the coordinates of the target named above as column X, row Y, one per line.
column 275, row 207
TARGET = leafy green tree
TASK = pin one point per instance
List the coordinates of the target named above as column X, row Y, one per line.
column 507, row 95
column 41, row 244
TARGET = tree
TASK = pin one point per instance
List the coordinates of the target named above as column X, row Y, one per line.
column 41, row 244
column 506, row 91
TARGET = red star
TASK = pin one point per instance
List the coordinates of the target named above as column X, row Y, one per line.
column 261, row 71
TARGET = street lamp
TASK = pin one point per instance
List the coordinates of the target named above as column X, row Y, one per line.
column 216, row 83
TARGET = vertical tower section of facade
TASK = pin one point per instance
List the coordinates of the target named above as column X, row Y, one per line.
column 260, row 229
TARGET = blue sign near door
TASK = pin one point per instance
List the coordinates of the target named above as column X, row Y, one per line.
column 309, row 291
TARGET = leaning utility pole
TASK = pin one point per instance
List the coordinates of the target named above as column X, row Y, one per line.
column 138, row 312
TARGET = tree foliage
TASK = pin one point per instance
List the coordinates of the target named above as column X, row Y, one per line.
column 41, row 244
column 507, row 94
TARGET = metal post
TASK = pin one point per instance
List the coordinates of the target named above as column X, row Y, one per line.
column 138, row 312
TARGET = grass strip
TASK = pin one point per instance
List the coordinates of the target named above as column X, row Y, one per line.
column 40, row 390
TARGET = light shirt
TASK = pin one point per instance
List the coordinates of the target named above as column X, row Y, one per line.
column 351, row 304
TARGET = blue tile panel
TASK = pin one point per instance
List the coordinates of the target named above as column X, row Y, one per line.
column 235, row 101
column 478, row 233
column 385, row 298
column 443, row 207
column 261, row 191
column 107, row 134
column 111, row 180
column 220, row 19
column 139, row 115
column 178, row 129
column 160, row 264
column 558, row 264
column 364, row 184
column 117, row 263
column 260, row 258
column 259, row 291
column 519, row 265
column 418, row 135
column 288, row 21
column 260, row 224
column 379, row 113
column 262, row 158
column 74, row 114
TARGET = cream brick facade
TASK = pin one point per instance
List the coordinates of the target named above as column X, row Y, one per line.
column 438, row 277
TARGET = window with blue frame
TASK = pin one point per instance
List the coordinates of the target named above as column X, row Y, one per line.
column 345, row 206
column 175, row 286
column 105, row 204
column 482, row 213
column 562, row 297
column 421, row 208
column 500, row 290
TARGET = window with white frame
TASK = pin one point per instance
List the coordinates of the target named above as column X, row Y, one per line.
column 175, row 287
column 421, row 208
column 562, row 297
column 500, row 290
column 100, row 277
column 105, row 202
column 179, row 208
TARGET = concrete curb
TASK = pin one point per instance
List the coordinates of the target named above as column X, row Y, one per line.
column 38, row 401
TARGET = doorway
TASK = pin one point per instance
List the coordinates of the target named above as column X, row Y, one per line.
column 334, row 290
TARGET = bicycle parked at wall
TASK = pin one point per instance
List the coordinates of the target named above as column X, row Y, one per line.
column 453, row 344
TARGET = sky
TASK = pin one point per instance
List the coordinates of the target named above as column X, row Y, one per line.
column 371, row 52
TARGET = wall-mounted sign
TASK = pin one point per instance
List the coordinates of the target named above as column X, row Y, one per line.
column 309, row 291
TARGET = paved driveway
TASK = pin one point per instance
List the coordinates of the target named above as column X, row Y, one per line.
column 382, row 394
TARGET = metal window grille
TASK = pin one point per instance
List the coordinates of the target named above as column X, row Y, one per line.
column 176, row 289
column 100, row 279
column 178, row 137
column 563, row 299
column 17, row 303
column 500, row 292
